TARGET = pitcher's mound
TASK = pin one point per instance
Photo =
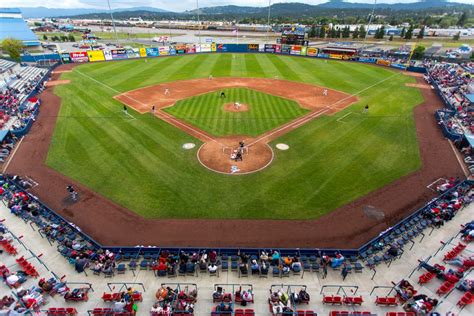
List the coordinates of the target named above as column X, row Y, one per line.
column 236, row 107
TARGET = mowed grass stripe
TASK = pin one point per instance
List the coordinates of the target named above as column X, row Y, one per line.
column 169, row 182
column 207, row 112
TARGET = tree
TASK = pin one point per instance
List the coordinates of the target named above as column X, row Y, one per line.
column 322, row 33
column 421, row 34
column 355, row 34
column 418, row 52
column 381, row 32
column 346, row 32
column 55, row 38
column 409, row 33
column 462, row 19
column 71, row 38
column 362, row 31
column 403, row 32
column 390, row 38
column 45, row 37
column 13, row 48
column 338, row 33
column 457, row 36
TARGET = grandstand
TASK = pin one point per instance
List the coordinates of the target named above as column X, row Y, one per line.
column 13, row 25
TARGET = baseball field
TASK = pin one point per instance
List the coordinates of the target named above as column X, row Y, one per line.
column 337, row 153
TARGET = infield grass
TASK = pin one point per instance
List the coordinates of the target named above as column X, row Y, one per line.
column 140, row 164
column 265, row 112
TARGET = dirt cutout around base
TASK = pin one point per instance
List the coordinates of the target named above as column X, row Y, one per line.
column 216, row 151
column 347, row 227
column 233, row 107
column 57, row 83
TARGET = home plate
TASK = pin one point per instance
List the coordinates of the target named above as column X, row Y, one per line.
column 189, row 146
column 282, row 146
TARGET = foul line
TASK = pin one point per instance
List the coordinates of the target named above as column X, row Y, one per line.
column 161, row 113
column 461, row 163
column 342, row 117
column 13, row 154
column 309, row 117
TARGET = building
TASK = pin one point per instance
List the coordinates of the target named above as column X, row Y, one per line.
column 13, row 25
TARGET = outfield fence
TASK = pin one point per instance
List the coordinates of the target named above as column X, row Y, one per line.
column 191, row 49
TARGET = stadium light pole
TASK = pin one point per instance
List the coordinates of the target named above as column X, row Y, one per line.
column 370, row 20
column 113, row 21
column 268, row 21
column 199, row 22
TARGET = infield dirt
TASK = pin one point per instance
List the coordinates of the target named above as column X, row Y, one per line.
column 111, row 224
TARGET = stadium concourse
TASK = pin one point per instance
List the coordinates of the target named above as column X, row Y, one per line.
column 370, row 284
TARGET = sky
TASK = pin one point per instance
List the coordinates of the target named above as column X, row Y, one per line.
column 171, row 5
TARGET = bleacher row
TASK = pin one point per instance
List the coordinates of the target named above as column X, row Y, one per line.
column 5, row 65
column 28, row 78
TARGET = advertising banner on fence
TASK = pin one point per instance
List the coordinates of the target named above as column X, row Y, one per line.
column 143, row 52
column 311, row 51
column 133, row 53
column 164, row 51
column 107, row 55
column 95, row 55
column 252, row 47
column 66, row 58
column 303, row 50
column 285, row 49
column 278, row 48
column 180, row 49
column 270, row 48
column 119, row 53
column 221, row 47
column 152, row 52
column 383, row 62
column 261, row 48
column 295, row 50
column 79, row 57
column 206, row 48
column 214, row 47
column 190, row 49
column 323, row 55
column 172, row 50
column 398, row 66
column 368, row 60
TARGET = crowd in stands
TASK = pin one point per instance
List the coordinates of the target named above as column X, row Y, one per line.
column 175, row 300
column 445, row 209
column 454, row 82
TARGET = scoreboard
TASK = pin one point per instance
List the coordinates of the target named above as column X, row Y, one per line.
column 294, row 36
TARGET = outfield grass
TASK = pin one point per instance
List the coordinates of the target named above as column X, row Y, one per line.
column 140, row 163
column 266, row 112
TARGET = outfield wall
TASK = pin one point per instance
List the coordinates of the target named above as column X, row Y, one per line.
column 187, row 49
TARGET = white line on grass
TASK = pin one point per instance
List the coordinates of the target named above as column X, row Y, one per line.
column 309, row 117
column 169, row 117
column 342, row 117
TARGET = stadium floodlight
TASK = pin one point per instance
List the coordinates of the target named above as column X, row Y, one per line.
column 113, row 21
column 199, row 22
column 370, row 20
column 268, row 21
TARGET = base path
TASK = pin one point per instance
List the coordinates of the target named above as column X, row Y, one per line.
column 346, row 227
column 215, row 153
